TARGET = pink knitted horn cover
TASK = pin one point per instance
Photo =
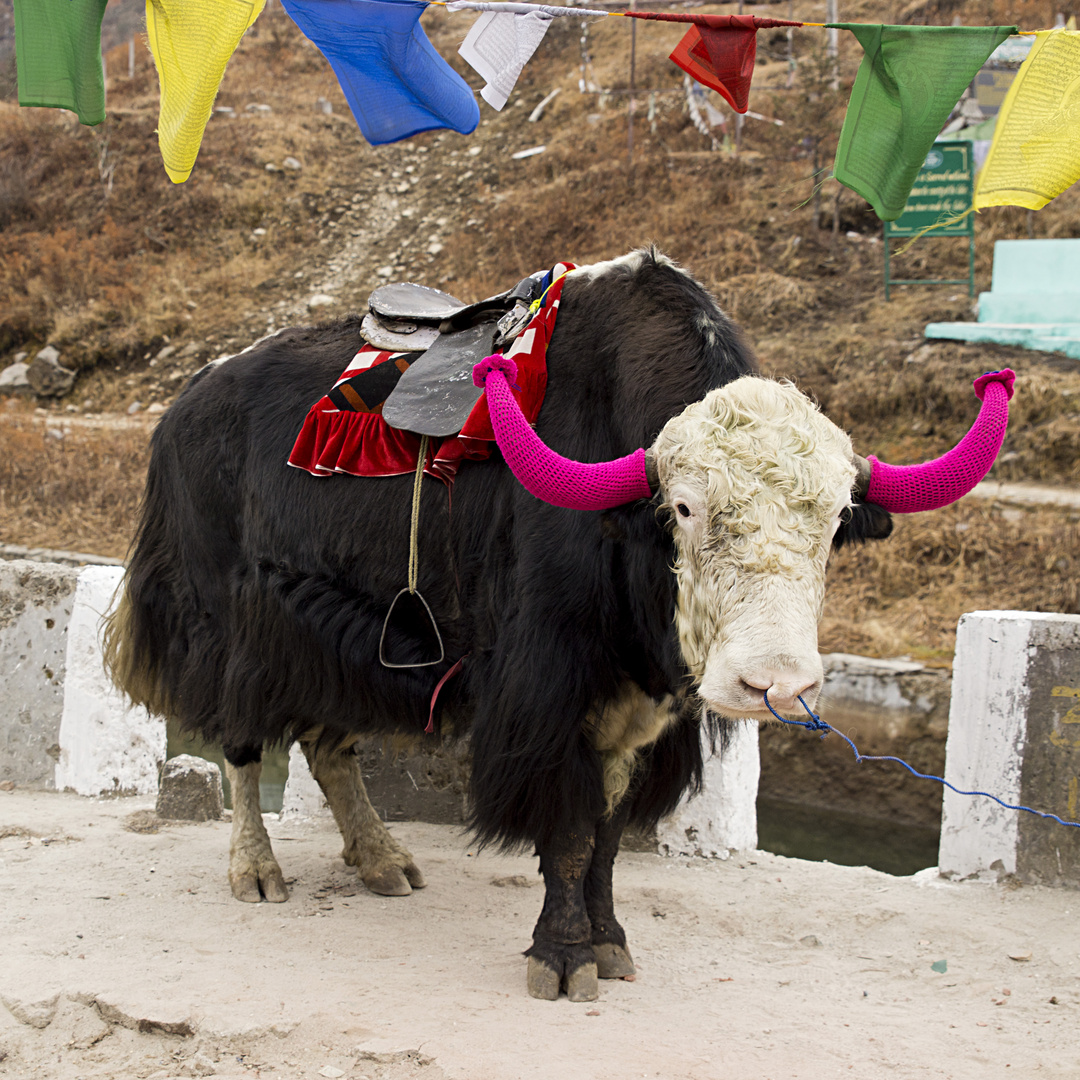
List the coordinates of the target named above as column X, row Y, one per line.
column 547, row 475
column 906, row 489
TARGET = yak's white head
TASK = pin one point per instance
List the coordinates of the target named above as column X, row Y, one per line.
column 755, row 479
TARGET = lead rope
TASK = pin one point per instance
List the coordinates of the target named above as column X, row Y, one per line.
column 414, row 526
column 815, row 723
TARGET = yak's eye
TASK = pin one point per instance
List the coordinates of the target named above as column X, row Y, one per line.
column 684, row 510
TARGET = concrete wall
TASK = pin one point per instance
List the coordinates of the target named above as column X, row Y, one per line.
column 1014, row 731
column 35, row 606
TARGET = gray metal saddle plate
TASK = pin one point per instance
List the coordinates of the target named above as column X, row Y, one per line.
column 407, row 300
column 397, row 335
column 436, row 394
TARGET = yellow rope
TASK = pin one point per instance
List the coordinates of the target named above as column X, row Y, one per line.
column 414, row 526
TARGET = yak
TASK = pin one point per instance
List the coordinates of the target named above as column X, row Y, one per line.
column 593, row 646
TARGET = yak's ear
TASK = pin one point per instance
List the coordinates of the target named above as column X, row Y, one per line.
column 863, row 521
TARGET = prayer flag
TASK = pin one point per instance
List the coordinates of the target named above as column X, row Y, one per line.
column 58, row 56
column 498, row 47
column 192, row 41
column 394, row 80
column 1035, row 154
column 718, row 50
column 908, row 82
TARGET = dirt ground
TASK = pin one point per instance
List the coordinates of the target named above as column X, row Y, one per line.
column 760, row 967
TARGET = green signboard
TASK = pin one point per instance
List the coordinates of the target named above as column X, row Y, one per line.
column 941, row 193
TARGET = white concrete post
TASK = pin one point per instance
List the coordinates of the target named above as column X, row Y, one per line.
column 106, row 746
column 723, row 818
column 302, row 798
column 1016, row 685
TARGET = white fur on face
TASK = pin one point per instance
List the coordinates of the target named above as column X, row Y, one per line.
column 755, row 478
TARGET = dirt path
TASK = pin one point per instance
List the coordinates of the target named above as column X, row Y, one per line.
column 756, row 968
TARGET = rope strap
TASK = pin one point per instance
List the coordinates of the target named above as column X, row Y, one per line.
column 815, row 723
column 414, row 526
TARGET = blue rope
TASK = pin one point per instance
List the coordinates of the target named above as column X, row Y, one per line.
column 815, row 723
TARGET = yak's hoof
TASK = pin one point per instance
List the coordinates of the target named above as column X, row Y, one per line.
column 415, row 878
column 613, row 961
column 387, row 881
column 581, row 984
column 545, row 982
column 259, row 881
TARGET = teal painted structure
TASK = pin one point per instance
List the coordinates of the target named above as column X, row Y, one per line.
column 1034, row 300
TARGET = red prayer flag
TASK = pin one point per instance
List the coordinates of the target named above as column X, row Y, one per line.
column 718, row 50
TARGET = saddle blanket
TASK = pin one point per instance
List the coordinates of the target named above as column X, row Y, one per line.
column 344, row 431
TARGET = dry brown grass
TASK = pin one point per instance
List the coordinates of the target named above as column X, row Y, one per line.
column 72, row 488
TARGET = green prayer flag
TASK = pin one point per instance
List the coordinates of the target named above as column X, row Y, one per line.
column 58, row 56
column 908, row 82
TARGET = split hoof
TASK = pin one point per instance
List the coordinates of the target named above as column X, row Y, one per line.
column 581, row 985
column 387, row 881
column 613, row 961
column 412, row 873
column 543, row 980
column 260, row 881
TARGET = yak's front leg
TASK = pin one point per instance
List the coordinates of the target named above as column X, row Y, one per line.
column 562, row 955
column 608, row 937
column 254, row 873
column 385, row 867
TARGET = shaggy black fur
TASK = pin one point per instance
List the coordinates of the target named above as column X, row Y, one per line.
column 861, row 522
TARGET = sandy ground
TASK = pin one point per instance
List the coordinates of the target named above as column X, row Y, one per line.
column 761, row 968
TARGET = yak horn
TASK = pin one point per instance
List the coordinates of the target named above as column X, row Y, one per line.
column 907, row 489
column 545, row 474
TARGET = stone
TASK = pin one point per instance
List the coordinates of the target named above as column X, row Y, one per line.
column 46, row 377
column 156, row 408
column 13, row 379
column 302, row 798
column 190, row 790
column 292, row 164
column 35, row 1014
column 323, row 107
column 166, row 352
column 320, row 300
column 134, row 407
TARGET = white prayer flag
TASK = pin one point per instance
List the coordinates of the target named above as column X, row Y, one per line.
column 498, row 47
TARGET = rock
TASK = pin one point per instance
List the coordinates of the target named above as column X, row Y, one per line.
column 255, row 108
column 324, row 107
column 157, row 407
column 45, row 375
column 434, row 247
column 13, row 379
column 292, row 164
column 21, row 356
column 190, row 349
column 166, row 352
column 385, row 271
column 37, row 1014
column 271, row 167
column 190, row 790
column 320, row 300
column 134, row 407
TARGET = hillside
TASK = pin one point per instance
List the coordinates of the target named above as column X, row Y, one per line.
column 105, row 259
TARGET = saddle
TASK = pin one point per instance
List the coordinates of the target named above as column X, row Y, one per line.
column 432, row 392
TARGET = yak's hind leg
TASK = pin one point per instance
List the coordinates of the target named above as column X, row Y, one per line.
column 385, row 867
column 253, row 871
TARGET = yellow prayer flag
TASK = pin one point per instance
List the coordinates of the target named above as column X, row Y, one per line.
column 192, row 41
column 1035, row 154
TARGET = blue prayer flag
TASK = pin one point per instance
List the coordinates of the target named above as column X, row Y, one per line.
column 394, row 80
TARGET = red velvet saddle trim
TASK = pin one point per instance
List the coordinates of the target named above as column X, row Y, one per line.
column 334, row 441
